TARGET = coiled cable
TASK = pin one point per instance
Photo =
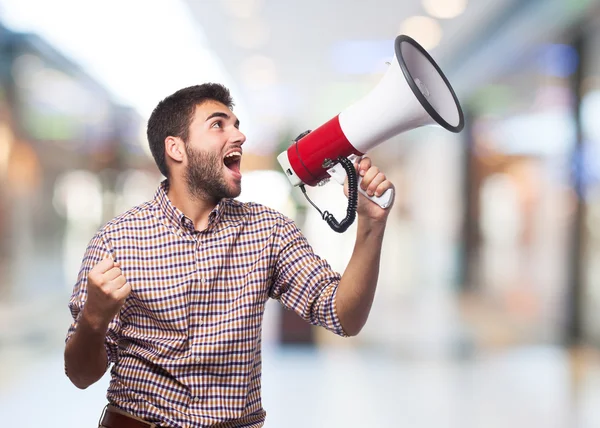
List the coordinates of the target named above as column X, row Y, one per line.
column 343, row 225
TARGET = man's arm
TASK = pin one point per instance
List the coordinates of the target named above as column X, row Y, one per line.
column 86, row 357
column 357, row 287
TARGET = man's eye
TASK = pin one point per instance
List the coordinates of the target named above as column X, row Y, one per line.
column 217, row 124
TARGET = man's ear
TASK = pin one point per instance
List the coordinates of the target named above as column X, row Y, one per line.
column 175, row 149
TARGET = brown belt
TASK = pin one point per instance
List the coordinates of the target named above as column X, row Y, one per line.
column 113, row 418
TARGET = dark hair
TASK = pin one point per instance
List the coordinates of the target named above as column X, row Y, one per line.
column 173, row 116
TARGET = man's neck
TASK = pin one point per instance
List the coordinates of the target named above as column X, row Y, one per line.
column 195, row 208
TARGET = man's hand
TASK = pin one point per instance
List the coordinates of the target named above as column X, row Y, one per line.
column 107, row 291
column 374, row 182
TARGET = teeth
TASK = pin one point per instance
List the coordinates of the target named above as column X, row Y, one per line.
column 233, row 154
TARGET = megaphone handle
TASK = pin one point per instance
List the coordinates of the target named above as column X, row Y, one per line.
column 384, row 201
column 339, row 174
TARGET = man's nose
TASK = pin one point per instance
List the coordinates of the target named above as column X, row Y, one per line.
column 240, row 137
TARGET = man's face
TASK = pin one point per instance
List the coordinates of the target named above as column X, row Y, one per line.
column 214, row 153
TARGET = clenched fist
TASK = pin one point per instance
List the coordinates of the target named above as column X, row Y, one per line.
column 374, row 183
column 107, row 290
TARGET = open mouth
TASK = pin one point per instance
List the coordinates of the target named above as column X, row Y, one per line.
column 233, row 160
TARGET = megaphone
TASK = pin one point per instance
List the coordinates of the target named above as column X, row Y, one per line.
column 413, row 93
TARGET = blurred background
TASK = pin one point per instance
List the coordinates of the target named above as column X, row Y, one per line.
column 487, row 312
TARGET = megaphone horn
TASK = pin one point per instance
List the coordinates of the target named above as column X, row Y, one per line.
column 413, row 93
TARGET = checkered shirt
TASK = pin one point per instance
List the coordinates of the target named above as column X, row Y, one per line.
column 186, row 346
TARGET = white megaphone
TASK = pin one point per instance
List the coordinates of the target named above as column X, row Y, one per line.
column 413, row 93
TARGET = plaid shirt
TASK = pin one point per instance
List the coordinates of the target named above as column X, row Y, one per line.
column 186, row 345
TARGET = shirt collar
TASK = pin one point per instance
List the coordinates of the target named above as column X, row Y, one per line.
column 177, row 218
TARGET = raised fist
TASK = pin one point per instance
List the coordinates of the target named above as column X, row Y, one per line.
column 107, row 290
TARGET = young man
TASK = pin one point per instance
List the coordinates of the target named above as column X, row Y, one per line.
column 172, row 293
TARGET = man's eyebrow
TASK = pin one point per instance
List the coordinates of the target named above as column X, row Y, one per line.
column 224, row 116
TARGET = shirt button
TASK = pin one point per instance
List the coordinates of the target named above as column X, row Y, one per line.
column 202, row 281
column 197, row 360
column 196, row 399
column 200, row 321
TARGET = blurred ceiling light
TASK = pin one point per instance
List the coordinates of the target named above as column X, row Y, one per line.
column 243, row 8
column 445, row 9
column 426, row 31
column 78, row 197
column 250, row 33
column 258, row 72
column 137, row 186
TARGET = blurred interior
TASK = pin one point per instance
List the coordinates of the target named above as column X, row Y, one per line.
column 487, row 312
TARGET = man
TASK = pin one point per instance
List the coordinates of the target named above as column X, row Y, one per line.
column 172, row 293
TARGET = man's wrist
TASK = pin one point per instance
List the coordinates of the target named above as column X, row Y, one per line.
column 94, row 322
column 369, row 225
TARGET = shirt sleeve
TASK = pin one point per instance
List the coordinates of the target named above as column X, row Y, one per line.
column 303, row 281
column 96, row 251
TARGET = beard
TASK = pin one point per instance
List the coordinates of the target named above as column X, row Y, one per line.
column 204, row 177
